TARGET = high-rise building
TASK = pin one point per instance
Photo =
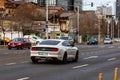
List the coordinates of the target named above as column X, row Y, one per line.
column 69, row 4
column 35, row 1
column 50, row 2
column 118, row 8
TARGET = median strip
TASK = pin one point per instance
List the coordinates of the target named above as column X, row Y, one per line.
column 10, row 63
column 91, row 57
column 111, row 59
column 84, row 65
column 25, row 78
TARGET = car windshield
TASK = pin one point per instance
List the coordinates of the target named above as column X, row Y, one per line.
column 92, row 39
column 17, row 39
column 49, row 42
column 107, row 39
column 64, row 38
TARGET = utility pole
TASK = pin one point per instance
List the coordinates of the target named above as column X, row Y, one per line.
column 78, row 27
column 46, row 19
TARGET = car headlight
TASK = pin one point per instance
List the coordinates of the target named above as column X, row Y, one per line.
column 19, row 43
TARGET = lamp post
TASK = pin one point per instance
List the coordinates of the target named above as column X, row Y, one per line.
column 46, row 19
column 99, row 22
column 78, row 14
column 108, row 25
column 116, row 22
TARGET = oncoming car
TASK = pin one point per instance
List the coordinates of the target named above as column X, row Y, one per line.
column 108, row 41
column 68, row 38
column 54, row 49
column 19, row 43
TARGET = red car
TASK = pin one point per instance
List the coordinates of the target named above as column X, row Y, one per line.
column 19, row 43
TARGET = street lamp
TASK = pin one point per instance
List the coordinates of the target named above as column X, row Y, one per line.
column 46, row 19
column 108, row 25
column 116, row 22
column 99, row 16
column 78, row 14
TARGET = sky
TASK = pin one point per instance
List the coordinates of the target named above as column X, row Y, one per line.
column 87, row 4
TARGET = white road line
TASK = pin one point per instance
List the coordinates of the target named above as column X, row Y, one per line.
column 111, row 59
column 25, row 78
column 91, row 57
column 10, row 63
column 25, row 62
column 110, row 46
column 80, row 66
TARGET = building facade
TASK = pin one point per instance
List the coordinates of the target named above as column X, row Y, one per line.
column 118, row 8
column 67, row 4
column 50, row 2
column 70, row 4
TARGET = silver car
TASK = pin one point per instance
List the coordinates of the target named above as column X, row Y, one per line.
column 54, row 49
column 108, row 41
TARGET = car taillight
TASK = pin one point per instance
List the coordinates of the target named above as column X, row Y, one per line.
column 54, row 49
column 34, row 49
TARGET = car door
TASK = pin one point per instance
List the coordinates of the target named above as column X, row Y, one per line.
column 68, row 48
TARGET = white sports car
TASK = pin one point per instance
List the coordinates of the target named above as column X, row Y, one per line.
column 54, row 49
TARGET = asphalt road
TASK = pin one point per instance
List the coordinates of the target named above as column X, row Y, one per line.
column 93, row 59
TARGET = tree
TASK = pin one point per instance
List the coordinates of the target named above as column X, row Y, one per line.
column 25, row 14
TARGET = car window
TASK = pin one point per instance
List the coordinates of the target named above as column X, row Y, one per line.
column 17, row 39
column 65, row 43
column 64, row 38
column 49, row 42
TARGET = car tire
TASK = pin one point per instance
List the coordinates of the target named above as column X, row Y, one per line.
column 9, row 48
column 34, row 60
column 28, row 47
column 22, row 47
column 64, row 58
column 76, row 57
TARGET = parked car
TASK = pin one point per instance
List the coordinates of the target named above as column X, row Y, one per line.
column 33, row 38
column 6, row 39
column 2, row 41
column 93, row 41
column 19, row 43
column 108, row 41
column 68, row 38
column 54, row 49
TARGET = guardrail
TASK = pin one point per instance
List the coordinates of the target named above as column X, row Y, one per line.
column 115, row 75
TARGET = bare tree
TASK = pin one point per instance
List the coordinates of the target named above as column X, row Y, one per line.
column 25, row 14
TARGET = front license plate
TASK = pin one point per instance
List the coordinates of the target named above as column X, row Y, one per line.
column 40, row 53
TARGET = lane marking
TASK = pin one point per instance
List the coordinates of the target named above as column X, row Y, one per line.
column 25, row 62
column 10, row 63
column 25, row 78
column 111, row 59
column 111, row 47
column 91, row 57
column 84, row 65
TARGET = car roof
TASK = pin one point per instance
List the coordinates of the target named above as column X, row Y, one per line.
column 56, row 39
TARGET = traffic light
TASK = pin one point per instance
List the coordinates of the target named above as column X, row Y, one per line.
column 91, row 4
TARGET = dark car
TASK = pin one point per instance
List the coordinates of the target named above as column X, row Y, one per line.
column 68, row 38
column 2, row 42
column 92, row 41
column 19, row 43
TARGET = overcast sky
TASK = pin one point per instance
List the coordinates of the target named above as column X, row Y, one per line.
column 87, row 6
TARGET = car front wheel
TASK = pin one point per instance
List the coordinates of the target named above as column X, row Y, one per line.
column 76, row 57
column 64, row 58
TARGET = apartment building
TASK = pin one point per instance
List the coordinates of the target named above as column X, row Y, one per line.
column 70, row 4
column 67, row 4
column 118, row 8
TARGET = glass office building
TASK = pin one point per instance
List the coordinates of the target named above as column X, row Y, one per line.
column 50, row 2
column 118, row 8
column 67, row 4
